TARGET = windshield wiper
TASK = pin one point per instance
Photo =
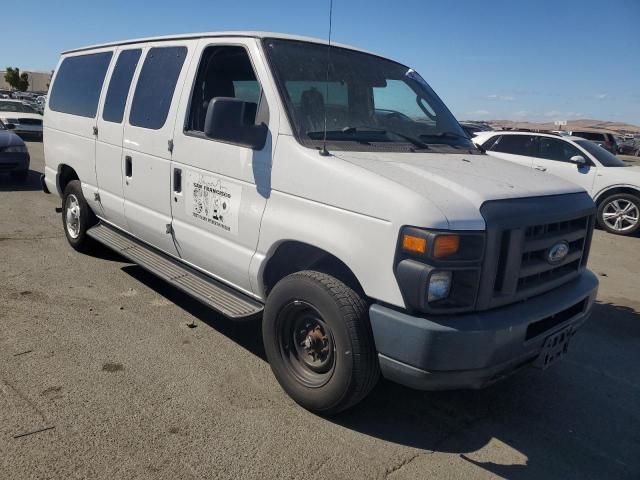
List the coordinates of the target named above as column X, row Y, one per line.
column 453, row 135
column 414, row 141
column 374, row 130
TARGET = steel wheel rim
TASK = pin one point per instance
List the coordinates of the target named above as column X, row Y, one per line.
column 621, row 215
column 72, row 216
column 306, row 344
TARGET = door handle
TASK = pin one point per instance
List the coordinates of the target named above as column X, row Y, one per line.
column 542, row 169
column 128, row 166
column 177, row 180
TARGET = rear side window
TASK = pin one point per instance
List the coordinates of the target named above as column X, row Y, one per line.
column 155, row 87
column 516, row 145
column 119, row 85
column 78, row 84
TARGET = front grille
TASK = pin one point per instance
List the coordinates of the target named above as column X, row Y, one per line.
column 30, row 121
column 6, row 166
column 523, row 268
column 520, row 234
column 538, row 239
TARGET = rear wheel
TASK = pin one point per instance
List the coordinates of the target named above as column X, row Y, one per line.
column 319, row 343
column 620, row 214
column 77, row 217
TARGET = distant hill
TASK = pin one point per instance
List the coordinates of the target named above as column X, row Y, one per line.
column 614, row 127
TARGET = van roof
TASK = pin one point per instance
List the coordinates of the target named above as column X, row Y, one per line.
column 212, row 35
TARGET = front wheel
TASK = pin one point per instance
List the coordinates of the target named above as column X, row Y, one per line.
column 319, row 343
column 620, row 214
column 77, row 217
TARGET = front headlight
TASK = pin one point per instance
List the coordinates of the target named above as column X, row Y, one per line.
column 439, row 271
column 15, row 149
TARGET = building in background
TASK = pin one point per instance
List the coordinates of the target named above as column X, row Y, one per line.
column 38, row 81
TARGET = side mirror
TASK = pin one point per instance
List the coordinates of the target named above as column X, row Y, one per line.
column 10, row 126
column 578, row 160
column 231, row 120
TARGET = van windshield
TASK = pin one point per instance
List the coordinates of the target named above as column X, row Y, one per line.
column 368, row 102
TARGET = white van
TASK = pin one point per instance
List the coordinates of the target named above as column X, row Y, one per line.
column 345, row 205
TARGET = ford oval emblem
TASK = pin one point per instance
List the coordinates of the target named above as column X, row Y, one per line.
column 558, row 252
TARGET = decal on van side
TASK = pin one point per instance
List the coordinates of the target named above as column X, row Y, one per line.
column 213, row 200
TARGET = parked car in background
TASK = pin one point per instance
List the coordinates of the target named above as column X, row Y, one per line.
column 38, row 107
column 471, row 128
column 372, row 233
column 14, row 156
column 628, row 147
column 614, row 185
column 26, row 120
column 605, row 139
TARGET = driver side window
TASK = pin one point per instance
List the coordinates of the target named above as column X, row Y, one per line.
column 225, row 71
column 555, row 149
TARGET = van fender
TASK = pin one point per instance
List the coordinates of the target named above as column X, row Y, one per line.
column 365, row 244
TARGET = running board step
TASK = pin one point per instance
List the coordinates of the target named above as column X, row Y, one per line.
column 205, row 289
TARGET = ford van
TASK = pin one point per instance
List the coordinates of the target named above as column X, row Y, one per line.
column 331, row 193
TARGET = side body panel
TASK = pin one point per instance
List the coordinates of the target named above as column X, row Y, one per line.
column 109, row 157
column 147, row 189
column 224, row 187
column 582, row 176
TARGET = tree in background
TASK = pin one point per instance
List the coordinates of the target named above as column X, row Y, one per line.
column 17, row 80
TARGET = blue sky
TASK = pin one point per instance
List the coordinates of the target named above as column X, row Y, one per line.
column 522, row 60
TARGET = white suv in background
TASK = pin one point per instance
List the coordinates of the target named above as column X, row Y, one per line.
column 614, row 185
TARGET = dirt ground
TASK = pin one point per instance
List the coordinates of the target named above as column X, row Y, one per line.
column 101, row 376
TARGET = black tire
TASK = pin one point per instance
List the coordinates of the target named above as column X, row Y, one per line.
column 80, row 242
column 343, row 319
column 605, row 207
column 20, row 175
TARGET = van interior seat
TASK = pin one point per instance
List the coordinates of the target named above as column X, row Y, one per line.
column 311, row 110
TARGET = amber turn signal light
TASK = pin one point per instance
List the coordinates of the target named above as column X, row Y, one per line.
column 414, row 244
column 446, row 245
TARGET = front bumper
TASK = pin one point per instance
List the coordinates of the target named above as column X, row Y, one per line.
column 443, row 352
column 13, row 162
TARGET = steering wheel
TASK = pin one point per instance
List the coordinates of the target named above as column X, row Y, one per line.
column 397, row 116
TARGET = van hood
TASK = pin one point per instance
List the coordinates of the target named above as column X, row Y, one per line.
column 456, row 183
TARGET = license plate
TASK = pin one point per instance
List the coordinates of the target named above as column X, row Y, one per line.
column 554, row 348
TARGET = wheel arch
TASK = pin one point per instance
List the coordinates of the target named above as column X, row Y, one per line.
column 291, row 256
column 615, row 190
column 64, row 176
